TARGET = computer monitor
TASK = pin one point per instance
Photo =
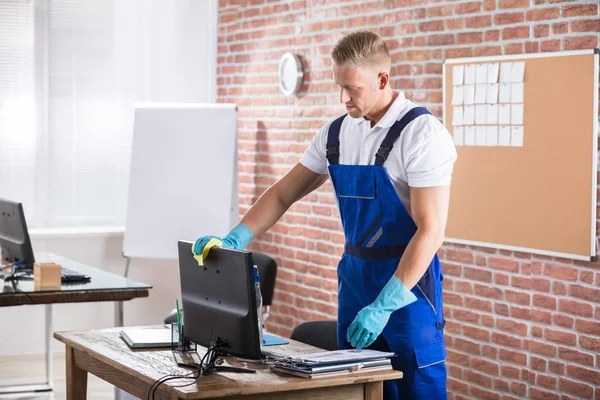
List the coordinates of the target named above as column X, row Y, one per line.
column 16, row 248
column 219, row 301
column 14, row 236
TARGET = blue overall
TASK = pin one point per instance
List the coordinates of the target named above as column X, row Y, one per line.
column 377, row 229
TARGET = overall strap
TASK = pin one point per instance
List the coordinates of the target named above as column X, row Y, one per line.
column 394, row 133
column 333, row 141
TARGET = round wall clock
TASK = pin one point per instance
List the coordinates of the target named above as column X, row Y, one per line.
column 290, row 74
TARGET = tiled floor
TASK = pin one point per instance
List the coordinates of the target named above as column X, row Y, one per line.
column 19, row 370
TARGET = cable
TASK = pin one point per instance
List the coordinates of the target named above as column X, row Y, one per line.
column 169, row 378
column 160, row 381
column 208, row 367
column 204, row 368
column 15, row 263
column 208, row 364
column 13, row 274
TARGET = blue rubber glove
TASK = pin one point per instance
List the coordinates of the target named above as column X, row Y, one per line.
column 371, row 320
column 237, row 239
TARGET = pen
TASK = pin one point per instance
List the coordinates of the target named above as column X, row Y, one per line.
column 178, row 319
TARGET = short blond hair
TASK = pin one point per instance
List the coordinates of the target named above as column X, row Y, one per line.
column 359, row 48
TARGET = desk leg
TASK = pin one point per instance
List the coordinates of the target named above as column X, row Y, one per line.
column 49, row 362
column 76, row 378
column 374, row 390
column 39, row 387
column 119, row 321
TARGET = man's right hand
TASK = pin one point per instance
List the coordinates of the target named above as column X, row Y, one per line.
column 200, row 244
column 237, row 239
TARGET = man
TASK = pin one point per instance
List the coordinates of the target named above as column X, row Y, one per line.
column 390, row 163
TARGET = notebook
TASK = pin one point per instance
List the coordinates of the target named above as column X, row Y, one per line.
column 347, row 371
column 272, row 340
column 138, row 338
column 340, row 356
column 308, row 369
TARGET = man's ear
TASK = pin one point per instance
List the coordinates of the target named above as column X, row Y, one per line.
column 384, row 79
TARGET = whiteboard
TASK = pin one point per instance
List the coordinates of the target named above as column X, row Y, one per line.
column 183, row 177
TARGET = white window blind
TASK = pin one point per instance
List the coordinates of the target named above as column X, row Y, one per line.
column 100, row 57
column 86, row 141
column 17, row 102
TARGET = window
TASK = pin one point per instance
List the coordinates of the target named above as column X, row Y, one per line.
column 65, row 137
column 17, row 102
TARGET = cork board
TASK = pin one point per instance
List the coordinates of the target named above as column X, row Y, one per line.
column 538, row 197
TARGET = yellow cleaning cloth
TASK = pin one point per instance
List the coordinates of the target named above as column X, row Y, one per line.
column 211, row 243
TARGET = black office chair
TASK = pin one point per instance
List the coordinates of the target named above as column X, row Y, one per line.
column 322, row 334
column 267, row 271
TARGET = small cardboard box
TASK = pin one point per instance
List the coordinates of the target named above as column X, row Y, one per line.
column 46, row 275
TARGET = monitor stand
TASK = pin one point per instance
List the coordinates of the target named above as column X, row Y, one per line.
column 226, row 368
column 213, row 364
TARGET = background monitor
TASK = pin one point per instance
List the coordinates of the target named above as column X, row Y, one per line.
column 14, row 237
column 219, row 300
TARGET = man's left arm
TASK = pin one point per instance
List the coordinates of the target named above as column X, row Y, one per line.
column 429, row 211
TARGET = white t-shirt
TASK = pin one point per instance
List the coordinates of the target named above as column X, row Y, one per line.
column 423, row 155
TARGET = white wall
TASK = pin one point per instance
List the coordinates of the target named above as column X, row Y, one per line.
column 164, row 50
column 27, row 322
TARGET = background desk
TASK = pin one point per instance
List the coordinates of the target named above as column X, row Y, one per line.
column 104, row 354
column 104, row 286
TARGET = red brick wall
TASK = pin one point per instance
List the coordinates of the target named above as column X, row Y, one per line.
column 519, row 325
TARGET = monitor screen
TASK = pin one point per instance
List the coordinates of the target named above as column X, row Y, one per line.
column 15, row 244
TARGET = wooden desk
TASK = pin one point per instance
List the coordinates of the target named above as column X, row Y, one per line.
column 104, row 354
column 104, row 286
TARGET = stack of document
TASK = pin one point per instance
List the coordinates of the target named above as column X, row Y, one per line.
column 332, row 363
